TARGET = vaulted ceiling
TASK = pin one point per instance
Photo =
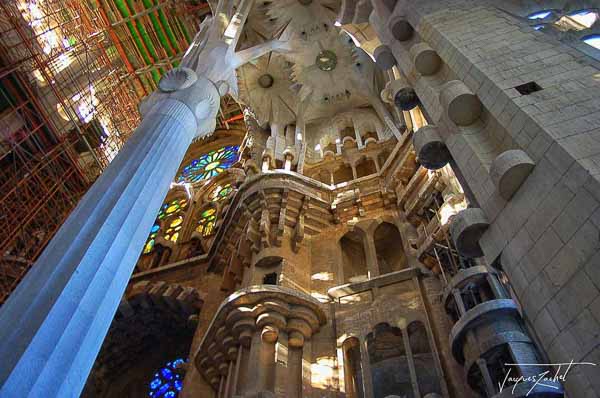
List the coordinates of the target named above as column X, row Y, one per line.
column 323, row 73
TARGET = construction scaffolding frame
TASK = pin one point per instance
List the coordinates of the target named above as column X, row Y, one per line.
column 65, row 111
column 72, row 74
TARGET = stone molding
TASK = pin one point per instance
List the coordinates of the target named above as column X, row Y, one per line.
column 269, row 309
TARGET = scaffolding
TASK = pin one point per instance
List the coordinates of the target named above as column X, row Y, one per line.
column 72, row 73
column 71, row 76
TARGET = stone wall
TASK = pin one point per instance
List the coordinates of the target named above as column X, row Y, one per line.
column 547, row 232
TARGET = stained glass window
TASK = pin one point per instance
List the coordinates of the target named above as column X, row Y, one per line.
column 209, row 165
column 585, row 18
column 592, row 40
column 168, row 381
column 220, row 192
column 206, row 224
column 171, row 218
column 540, row 14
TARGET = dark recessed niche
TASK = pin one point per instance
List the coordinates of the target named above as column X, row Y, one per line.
column 270, row 279
column 528, row 88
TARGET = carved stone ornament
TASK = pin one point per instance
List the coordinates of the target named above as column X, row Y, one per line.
column 177, row 79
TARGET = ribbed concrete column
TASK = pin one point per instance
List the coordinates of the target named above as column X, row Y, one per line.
column 52, row 326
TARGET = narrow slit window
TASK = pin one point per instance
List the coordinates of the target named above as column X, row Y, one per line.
column 528, row 88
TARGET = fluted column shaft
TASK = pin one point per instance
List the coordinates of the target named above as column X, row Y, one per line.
column 52, row 326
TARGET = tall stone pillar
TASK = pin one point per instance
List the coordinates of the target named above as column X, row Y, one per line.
column 52, row 326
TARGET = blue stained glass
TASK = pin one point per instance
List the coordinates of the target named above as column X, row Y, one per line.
column 580, row 12
column 154, row 384
column 163, row 390
column 166, row 373
column 592, row 40
column 540, row 14
column 167, row 382
column 178, row 385
column 210, row 164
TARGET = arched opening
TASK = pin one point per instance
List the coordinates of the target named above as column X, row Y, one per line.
column 353, row 379
column 144, row 338
column 365, row 167
column 388, row 246
column 389, row 365
column 343, row 174
column 425, row 367
column 354, row 259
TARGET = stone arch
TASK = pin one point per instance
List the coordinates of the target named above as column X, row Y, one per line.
column 353, row 369
column 388, row 359
column 354, row 259
column 389, row 248
column 154, row 324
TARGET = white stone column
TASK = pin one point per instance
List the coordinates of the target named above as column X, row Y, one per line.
column 52, row 326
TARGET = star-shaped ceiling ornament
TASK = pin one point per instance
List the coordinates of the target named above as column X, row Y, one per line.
column 327, row 71
column 260, row 26
column 265, row 86
column 303, row 19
